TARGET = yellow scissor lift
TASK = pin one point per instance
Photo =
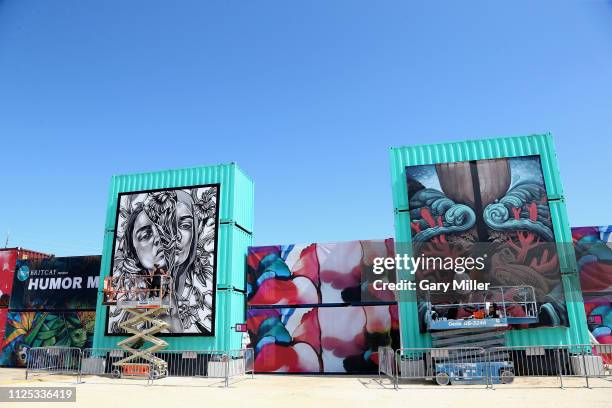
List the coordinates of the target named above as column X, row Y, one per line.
column 143, row 298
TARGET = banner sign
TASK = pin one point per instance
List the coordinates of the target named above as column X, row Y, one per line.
column 56, row 284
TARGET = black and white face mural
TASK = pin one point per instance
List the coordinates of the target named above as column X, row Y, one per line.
column 174, row 230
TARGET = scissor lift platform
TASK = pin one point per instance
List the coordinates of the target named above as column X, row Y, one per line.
column 500, row 297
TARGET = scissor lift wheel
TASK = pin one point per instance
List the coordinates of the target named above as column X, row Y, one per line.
column 506, row 376
column 442, row 379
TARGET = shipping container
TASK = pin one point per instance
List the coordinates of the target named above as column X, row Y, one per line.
column 8, row 257
column 312, row 310
column 213, row 210
column 336, row 273
column 324, row 339
column 230, row 310
column 237, row 192
column 594, row 255
column 233, row 245
column 437, row 159
column 541, row 145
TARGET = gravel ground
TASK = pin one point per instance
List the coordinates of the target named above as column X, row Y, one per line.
column 282, row 391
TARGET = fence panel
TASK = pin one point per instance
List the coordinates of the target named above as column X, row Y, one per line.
column 185, row 363
column 387, row 364
column 452, row 365
column 240, row 362
column 570, row 365
column 53, row 360
column 594, row 363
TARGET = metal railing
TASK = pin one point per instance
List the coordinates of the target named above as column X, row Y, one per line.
column 386, row 364
column 100, row 362
column 584, row 362
column 576, row 365
column 53, row 360
column 453, row 365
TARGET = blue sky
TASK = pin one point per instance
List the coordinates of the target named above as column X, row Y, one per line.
column 307, row 97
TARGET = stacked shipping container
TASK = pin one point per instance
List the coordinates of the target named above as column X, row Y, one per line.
column 8, row 257
column 415, row 169
column 311, row 311
column 209, row 211
column 594, row 254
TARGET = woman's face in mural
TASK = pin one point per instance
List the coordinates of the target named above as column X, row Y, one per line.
column 184, row 219
column 147, row 243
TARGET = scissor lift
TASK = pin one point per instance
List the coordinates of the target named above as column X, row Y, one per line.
column 489, row 311
column 143, row 297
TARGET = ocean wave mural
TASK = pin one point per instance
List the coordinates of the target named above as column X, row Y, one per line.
column 498, row 203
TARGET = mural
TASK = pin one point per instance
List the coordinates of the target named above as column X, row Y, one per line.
column 3, row 317
column 36, row 329
column 321, row 339
column 311, row 308
column 501, row 205
column 593, row 247
column 174, row 230
column 315, row 274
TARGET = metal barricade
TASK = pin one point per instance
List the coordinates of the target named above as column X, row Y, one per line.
column 386, row 365
column 593, row 362
column 584, row 365
column 216, row 364
column 53, row 360
column 570, row 365
column 240, row 362
column 183, row 363
column 453, row 365
column 195, row 363
column 558, row 362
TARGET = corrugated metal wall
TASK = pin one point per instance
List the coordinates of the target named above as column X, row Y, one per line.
column 541, row 145
column 236, row 190
column 235, row 235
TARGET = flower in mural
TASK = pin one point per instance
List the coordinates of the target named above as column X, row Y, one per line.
column 206, row 206
column 159, row 203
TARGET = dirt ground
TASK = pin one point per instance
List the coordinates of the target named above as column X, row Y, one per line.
column 281, row 391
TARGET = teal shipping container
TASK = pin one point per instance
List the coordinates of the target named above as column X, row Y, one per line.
column 436, row 167
column 205, row 215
